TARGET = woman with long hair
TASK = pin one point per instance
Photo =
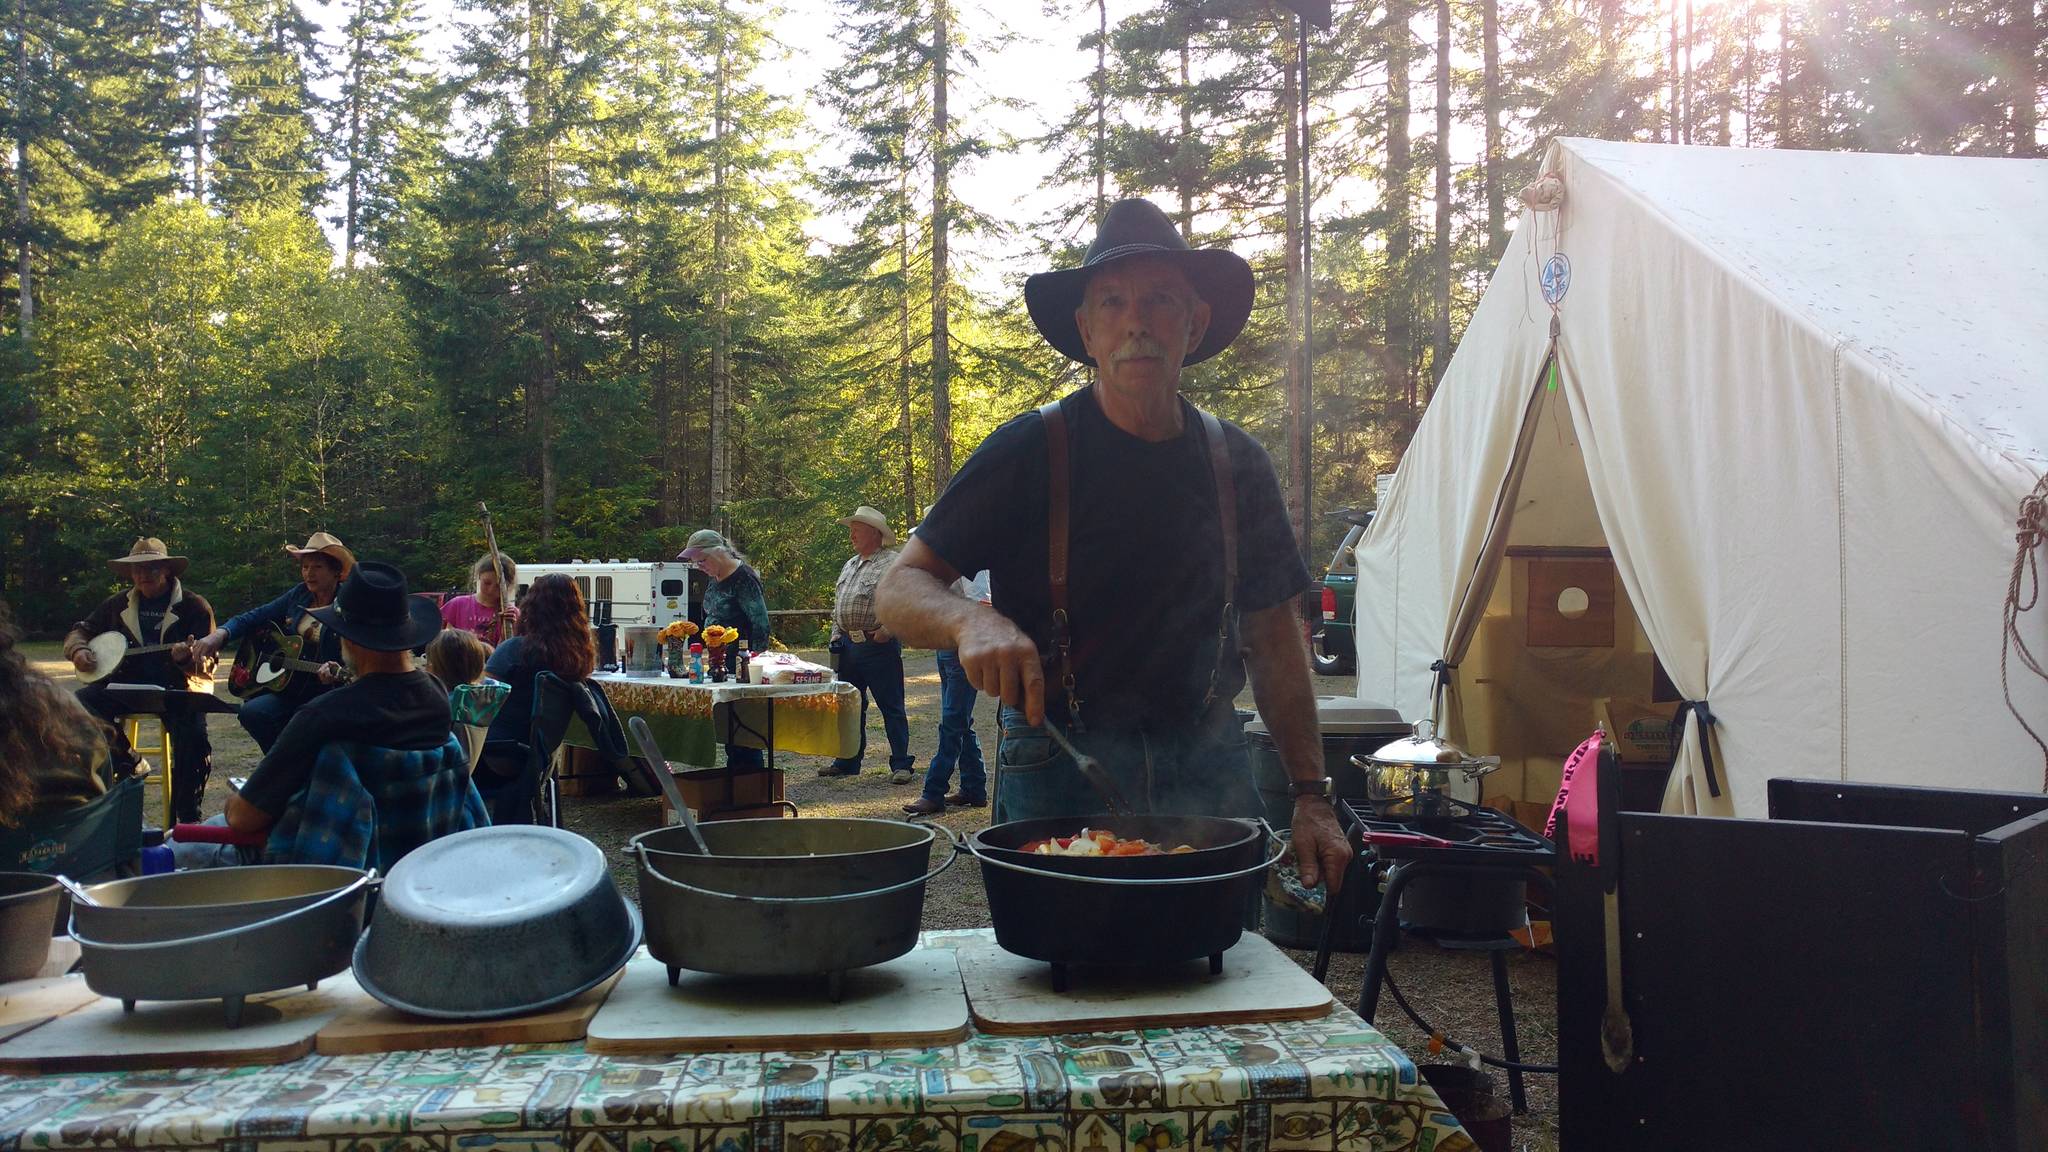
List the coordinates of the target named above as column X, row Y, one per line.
column 52, row 752
column 554, row 636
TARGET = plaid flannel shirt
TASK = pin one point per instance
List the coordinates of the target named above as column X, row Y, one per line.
column 365, row 807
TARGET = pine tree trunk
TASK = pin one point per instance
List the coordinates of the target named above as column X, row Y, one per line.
column 1671, row 121
column 1184, row 176
column 1440, row 346
column 1490, row 97
column 540, row 63
column 1297, row 399
column 903, row 364
column 198, row 12
column 352, row 210
column 942, row 209
column 721, row 330
column 1400, row 235
column 1787, row 136
column 1686, row 115
column 1101, row 86
column 2028, row 77
column 25, row 269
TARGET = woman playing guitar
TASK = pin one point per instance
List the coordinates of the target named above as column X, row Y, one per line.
column 323, row 564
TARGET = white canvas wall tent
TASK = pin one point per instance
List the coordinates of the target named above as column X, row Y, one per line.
column 1798, row 398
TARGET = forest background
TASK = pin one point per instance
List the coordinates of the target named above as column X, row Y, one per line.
column 585, row 260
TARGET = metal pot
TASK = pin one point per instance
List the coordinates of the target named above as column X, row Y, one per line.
column 28, row 912
column 1122, row 910
column 810, row 897
column 494, row 922
column 227, row 933
column 1426, row 775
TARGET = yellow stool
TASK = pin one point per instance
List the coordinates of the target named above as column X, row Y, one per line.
column 133, row 723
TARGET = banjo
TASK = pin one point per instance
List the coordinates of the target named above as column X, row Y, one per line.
column 109, row 649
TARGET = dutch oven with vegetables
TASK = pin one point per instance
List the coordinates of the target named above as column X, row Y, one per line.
column 1120, row 889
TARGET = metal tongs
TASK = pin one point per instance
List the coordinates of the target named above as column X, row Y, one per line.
column 1098, row 776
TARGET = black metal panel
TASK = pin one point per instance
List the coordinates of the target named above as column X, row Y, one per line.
column 1898, row 804
column 1790, row 984
column 2012, row 902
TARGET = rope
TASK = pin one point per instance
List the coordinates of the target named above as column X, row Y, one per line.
column 2032, row 525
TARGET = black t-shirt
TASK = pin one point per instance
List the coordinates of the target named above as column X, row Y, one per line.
column 404, row 710
column 156, row 667
column 1145, row 582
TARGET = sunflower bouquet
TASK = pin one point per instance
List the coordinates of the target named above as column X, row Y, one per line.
column 718, row 636
column 676, row 631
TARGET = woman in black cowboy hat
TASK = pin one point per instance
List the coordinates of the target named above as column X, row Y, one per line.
column 1140, row 557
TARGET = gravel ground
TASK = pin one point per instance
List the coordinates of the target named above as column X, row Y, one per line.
column 1453, row 989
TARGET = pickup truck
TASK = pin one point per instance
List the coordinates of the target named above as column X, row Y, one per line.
column 1330, row 641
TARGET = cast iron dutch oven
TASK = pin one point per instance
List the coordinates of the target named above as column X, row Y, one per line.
column 1122, row 910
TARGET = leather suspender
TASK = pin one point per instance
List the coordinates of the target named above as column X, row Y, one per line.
column 1058, row 508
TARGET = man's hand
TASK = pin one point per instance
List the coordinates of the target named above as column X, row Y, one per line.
column 1321, row 850
column 332, row 673
column 880, row 635
column 83, row 659
column 1001, row 660
column 184, row 653
column 209, row 645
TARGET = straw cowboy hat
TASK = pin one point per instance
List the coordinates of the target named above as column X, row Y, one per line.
column 323, row 544
column 1138, row 228
column 873, row 518
column 374, row 609
column 150, row 550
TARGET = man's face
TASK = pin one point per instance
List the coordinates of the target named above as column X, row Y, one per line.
column 319, row 575
column 867, row 539
column 1138, row 319
column 150, row 579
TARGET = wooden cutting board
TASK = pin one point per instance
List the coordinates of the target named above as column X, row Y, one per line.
column 913, row 1001
column 1012, row 996
column 366, row 1024
column 100, row 1037
column 26, row 1004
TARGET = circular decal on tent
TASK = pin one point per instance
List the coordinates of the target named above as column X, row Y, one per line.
column 1556, row 278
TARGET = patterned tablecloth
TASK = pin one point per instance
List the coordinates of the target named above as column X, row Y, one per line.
column 691, row 720
column 1333, row 1083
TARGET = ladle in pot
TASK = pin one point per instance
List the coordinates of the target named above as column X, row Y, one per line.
column 1098, row 777
column 658, row 764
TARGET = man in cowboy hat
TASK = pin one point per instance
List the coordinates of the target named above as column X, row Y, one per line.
column 864, row 654
column 391, row 725
column 156, row 609
column 1139, row 553
column 323, row 564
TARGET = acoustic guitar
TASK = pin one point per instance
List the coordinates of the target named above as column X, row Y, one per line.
column 109, row 649
column 269, row 661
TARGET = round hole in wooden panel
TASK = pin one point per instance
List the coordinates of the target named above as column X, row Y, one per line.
column 1572, row 603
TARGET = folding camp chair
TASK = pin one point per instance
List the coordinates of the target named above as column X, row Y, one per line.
column 531, row 796
column 86, row 842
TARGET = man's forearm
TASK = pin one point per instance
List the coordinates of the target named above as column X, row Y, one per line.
column 920, row 610
column 1277, row 659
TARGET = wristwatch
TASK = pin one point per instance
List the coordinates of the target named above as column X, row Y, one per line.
column 1320, row 786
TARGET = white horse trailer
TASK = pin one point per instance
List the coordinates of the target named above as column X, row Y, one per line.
column 638, row 592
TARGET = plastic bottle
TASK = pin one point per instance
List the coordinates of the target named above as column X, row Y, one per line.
column 696, row 663
column 746, row 666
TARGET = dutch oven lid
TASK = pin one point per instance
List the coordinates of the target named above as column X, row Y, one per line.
column 1424, row 748
column 1347, row 716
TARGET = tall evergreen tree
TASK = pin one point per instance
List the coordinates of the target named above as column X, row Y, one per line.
column 266, row 150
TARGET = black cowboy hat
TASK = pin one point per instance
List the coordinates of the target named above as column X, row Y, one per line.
column 374, row 609
column 1139, row 228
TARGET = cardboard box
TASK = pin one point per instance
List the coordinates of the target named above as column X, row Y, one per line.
column 1641, row 730
column 713, row 793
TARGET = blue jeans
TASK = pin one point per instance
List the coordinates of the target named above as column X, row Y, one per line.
column 957, row 741
column 265, row 716
column 1199, row 768
column 877, row 670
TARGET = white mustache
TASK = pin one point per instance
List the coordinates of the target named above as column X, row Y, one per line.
column 1138, row 348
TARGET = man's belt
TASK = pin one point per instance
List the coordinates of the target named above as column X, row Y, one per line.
column 862, row 636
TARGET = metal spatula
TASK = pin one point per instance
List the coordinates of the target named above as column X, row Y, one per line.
column 658, row 764
column 1098, row 777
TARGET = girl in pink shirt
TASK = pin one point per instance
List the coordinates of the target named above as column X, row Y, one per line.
column 485, row 612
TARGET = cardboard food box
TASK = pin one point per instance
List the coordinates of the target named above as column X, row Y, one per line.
column 1641, row 730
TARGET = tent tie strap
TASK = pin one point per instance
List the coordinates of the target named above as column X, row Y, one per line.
column 2031, row 528
column 1706, row 719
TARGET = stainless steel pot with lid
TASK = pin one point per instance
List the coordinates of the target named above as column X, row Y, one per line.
column 1425, row 773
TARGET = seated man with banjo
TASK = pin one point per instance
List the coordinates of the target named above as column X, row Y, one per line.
column 146, row 636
